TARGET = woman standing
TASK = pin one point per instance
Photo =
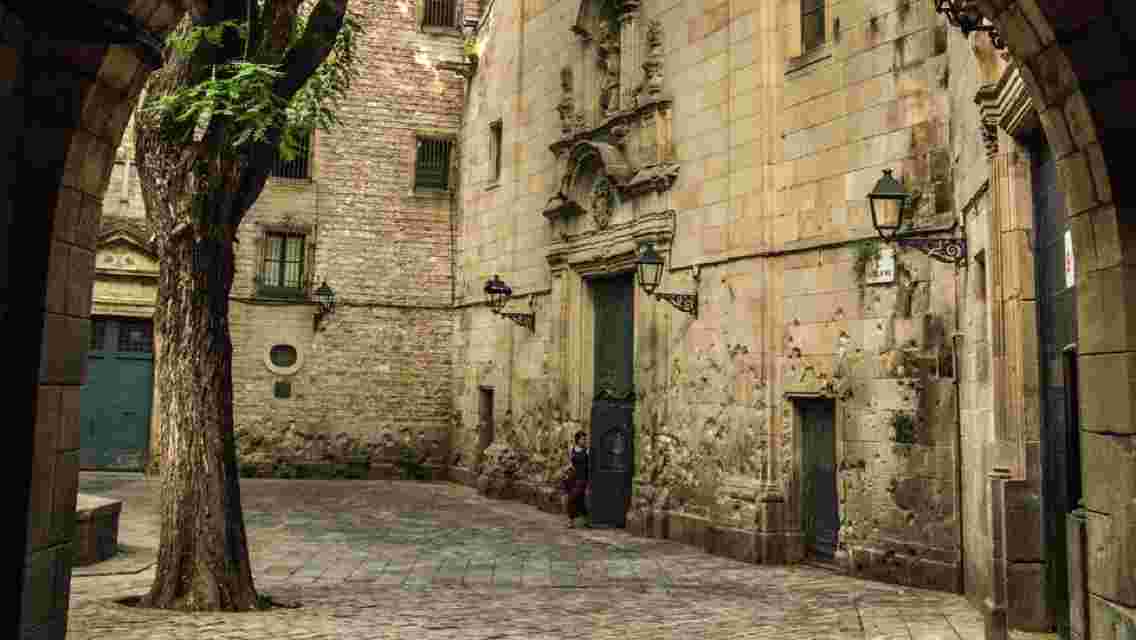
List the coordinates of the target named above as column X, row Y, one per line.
column 578, row 482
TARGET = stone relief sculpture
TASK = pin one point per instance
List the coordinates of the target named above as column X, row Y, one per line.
column 567, row 105
column 602, row 202
column 627, row 152
column 653, row 65
column 608, row 46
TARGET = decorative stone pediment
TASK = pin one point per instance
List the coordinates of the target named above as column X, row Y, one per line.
column 123, row 248
column 615, row 142
column 612, row 249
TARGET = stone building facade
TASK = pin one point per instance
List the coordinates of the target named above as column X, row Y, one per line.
column 348, row 214
column 976, row 412
column 746, row 161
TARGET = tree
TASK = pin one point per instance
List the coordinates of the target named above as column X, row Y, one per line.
column 242, row 80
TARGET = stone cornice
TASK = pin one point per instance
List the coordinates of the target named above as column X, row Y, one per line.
column 1004, row 105
column 613, row 249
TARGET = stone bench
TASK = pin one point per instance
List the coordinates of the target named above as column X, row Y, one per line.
column 96, row 529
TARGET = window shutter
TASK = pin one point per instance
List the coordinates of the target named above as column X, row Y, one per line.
column 261, row 251
column 309, row 266
column 792, row 11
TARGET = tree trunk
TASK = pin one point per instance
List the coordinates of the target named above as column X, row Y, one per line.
column 203, row 560
column 196, row 194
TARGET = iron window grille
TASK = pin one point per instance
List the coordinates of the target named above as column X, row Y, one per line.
column 297, row 168
column 282, row 266
column 432, row 164
column 98, row 334
column 812, row 24
column 135, row 336
column 440, row 13
column 495, row 150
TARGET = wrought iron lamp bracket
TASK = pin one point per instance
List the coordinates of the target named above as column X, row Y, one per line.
column 949, row 250
column 685, row 302
column 964, row 15
column 526, row 320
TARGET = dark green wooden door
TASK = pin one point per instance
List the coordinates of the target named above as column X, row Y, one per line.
column 613, row 406
column 820, row 515
column 115, row 401
column 1057, row 338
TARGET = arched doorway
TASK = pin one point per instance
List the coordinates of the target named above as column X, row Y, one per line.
column 1076, row 60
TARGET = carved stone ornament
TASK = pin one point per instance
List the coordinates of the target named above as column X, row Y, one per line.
column 653, row 65
column 1004, row 105
column 602, row 202
column 567, row 105
column 616, row 140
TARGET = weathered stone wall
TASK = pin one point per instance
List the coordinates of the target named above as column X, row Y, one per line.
column 376, row 371
column 776, row 155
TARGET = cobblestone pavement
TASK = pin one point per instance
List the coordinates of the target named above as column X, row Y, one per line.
column 379, row 559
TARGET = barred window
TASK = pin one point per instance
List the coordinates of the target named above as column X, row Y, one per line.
column 135, row 336
column 440, row 13
column 812, row 24
column 432, row 164
column 296, row 168
column 495, row 150
column 98, row 334
column 282, row 269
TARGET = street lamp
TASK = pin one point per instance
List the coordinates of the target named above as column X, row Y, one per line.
column 325, row 298
column 499, row 293
column 649, row 265
column 889, row 203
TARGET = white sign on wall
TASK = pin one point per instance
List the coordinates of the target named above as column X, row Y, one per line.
column 882, row 269
column 1070, row 273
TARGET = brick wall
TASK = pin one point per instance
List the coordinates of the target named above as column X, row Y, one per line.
column 371, row 367
column 373, row 370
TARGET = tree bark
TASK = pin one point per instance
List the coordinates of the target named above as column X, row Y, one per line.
column 203, row 560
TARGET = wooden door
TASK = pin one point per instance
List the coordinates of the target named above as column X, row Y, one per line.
column 115, row 401
column 613, row 406
column 1054, row 263
column 485, row 427
column 820, row 513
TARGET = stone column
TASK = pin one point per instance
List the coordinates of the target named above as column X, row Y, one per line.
column 996, row 627
column 630, row 53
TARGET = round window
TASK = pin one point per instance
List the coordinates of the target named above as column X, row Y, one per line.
column 283, row 355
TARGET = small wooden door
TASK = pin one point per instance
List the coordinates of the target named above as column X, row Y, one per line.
column 115, row 401
column 613, row 406
column 820, row 514
column 485, row 427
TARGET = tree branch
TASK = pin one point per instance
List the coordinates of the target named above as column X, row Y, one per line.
column 312, row 48
column 298, row 65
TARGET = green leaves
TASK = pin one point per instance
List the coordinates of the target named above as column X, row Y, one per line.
column 186, row 39
column 238, row 94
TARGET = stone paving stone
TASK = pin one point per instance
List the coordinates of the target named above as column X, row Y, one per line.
column 419, row 561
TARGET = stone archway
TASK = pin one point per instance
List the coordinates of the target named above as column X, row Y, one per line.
column 68, row 97
column 1076, row 60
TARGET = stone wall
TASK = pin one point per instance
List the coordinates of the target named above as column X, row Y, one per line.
column 776, row 153
column 67, row 106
